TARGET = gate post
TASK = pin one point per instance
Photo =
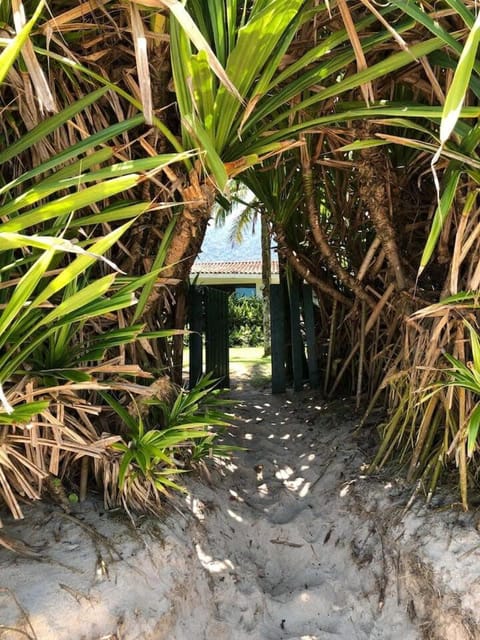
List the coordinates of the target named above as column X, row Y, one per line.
column 277, row 315
column 312, row 355
column 195, row 346
column 216, row 335
column 297, row 348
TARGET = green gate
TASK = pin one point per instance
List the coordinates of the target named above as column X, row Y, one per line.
column 208, row 321
column 294, row 348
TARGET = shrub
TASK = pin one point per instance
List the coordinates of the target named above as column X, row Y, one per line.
column 245, row 322
column 160, row 445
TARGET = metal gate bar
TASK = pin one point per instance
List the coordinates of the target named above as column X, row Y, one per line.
column 296, row 341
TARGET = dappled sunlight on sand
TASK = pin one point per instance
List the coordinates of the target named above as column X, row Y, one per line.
column 289, row 540
column 211, row 565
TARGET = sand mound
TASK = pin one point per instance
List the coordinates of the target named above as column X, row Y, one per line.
column 289, row 541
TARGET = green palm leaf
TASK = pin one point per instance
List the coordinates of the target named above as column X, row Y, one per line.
column 12, row 51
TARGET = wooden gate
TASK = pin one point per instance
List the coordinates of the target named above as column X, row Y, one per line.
column 208, row 321
column 294, row 349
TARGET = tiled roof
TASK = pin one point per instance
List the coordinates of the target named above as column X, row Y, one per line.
column 249, row 267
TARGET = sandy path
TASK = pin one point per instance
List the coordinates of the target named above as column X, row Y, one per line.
column 290, row 541
column 287, row 552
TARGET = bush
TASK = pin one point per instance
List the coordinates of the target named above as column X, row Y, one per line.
column 245, row 322
column 155, row 452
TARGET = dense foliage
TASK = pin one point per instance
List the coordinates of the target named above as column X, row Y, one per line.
column 354, row 124
column 245, row 321
column 72, row 323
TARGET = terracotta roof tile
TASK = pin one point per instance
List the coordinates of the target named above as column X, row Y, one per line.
column 247, row 267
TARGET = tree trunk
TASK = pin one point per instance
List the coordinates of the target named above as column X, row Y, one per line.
column 167, row 305
column 375, row 177
column 184, row 247
column 190, row 228
column 321, row 240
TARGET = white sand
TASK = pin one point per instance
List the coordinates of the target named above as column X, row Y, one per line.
column 290, row 541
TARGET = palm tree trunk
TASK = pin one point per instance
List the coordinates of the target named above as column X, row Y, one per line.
column 190, row 229
column 184, row 247
column 375, row 176
column 321, row 239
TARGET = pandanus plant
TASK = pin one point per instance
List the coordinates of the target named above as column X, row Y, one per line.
column 381, row 91
column 364, row 85
column 59, row 289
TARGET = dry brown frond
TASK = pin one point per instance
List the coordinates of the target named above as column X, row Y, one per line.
column 37, row 76
column 367, row 89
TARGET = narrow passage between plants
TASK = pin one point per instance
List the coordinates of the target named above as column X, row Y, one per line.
column 289, row 540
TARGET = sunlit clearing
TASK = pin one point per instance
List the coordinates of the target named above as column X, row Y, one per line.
column 283, row 474
column 294, row 485
column 248, row 436
column 234, row 515
column 196, row 507
column 214, row 566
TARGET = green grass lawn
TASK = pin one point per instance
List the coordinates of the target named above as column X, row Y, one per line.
column 249, row 361
column 246, row 362
column 247, row 355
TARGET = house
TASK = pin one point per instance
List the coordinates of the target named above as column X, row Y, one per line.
column 244, row 277
column 229, row 265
